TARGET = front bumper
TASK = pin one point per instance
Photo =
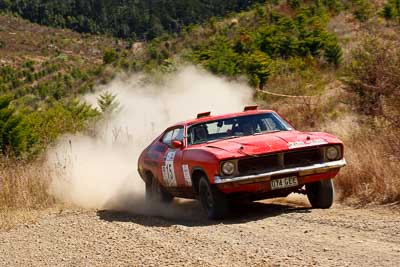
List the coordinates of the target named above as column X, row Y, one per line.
column 300, row 171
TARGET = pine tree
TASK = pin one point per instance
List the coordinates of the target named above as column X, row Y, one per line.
column 333, row 52
column 107, row 102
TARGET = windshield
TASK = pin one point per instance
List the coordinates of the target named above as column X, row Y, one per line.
column 235, row 127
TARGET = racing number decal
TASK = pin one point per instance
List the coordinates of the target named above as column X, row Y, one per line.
column 186, row 174
column 168, row 169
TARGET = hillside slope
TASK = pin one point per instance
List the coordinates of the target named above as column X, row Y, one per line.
column 42, row 70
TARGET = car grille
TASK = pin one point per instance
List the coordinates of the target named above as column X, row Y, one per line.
column 302, row 158
column 272, row 162
column 259, row 164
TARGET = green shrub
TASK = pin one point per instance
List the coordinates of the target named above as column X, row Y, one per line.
column 391, row 9
column 333, row 52
column 107, row 102
column 258, row 67
column 110, row 55
column 362, row 10
column 26, row 132
column 294, row 3
column 388, row 11
column 373, row 76
column 251, row 51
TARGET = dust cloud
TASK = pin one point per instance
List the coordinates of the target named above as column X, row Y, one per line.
column 100, row 170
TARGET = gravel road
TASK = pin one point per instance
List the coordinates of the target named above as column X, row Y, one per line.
column 269, row 233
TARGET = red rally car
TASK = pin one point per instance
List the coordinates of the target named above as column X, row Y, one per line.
column 250, row 155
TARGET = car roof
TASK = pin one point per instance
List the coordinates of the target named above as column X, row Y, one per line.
column 223, row 116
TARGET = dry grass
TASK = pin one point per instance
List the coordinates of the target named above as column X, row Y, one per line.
column 23, row 191
column 372, row 174
column 373, row 171
column 373, row 151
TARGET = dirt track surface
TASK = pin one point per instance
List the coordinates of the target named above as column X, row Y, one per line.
column 256, row 234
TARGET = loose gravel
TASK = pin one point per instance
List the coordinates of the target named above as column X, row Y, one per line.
column 256, row 234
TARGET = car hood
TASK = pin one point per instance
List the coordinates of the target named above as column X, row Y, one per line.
column 267, row 143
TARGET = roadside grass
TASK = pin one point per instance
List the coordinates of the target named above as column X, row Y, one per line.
column 372, row 80
column 23, row 191
column 373, row 171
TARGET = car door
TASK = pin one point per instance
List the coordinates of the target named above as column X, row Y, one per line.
column 171, row 163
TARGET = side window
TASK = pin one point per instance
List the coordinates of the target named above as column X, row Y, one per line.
column 168, row 138
column 178, row 134
column 175, row 134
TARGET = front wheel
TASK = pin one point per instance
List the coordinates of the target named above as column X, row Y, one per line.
column 156, row 193
column 214, row 202
column 320, row 194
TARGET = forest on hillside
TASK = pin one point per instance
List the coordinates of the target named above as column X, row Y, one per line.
column 136, row 19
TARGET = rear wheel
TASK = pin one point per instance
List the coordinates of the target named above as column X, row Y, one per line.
column 156, row 193
column 214, row 202
column 320, row 194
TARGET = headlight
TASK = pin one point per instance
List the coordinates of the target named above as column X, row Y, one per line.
column 228, row 168
column 332, row 153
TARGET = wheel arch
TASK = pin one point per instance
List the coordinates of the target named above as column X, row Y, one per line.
column 197, row 173
column 148, row 176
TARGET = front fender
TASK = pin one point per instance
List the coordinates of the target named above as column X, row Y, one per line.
column 201, row 160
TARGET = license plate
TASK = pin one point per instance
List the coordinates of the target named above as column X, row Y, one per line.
column 284, row 182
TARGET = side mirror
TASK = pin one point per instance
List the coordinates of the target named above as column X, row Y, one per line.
column 176, row 144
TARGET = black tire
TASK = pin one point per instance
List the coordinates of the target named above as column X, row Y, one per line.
column 156, row 193
column 320, row 194
column 214, row 202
